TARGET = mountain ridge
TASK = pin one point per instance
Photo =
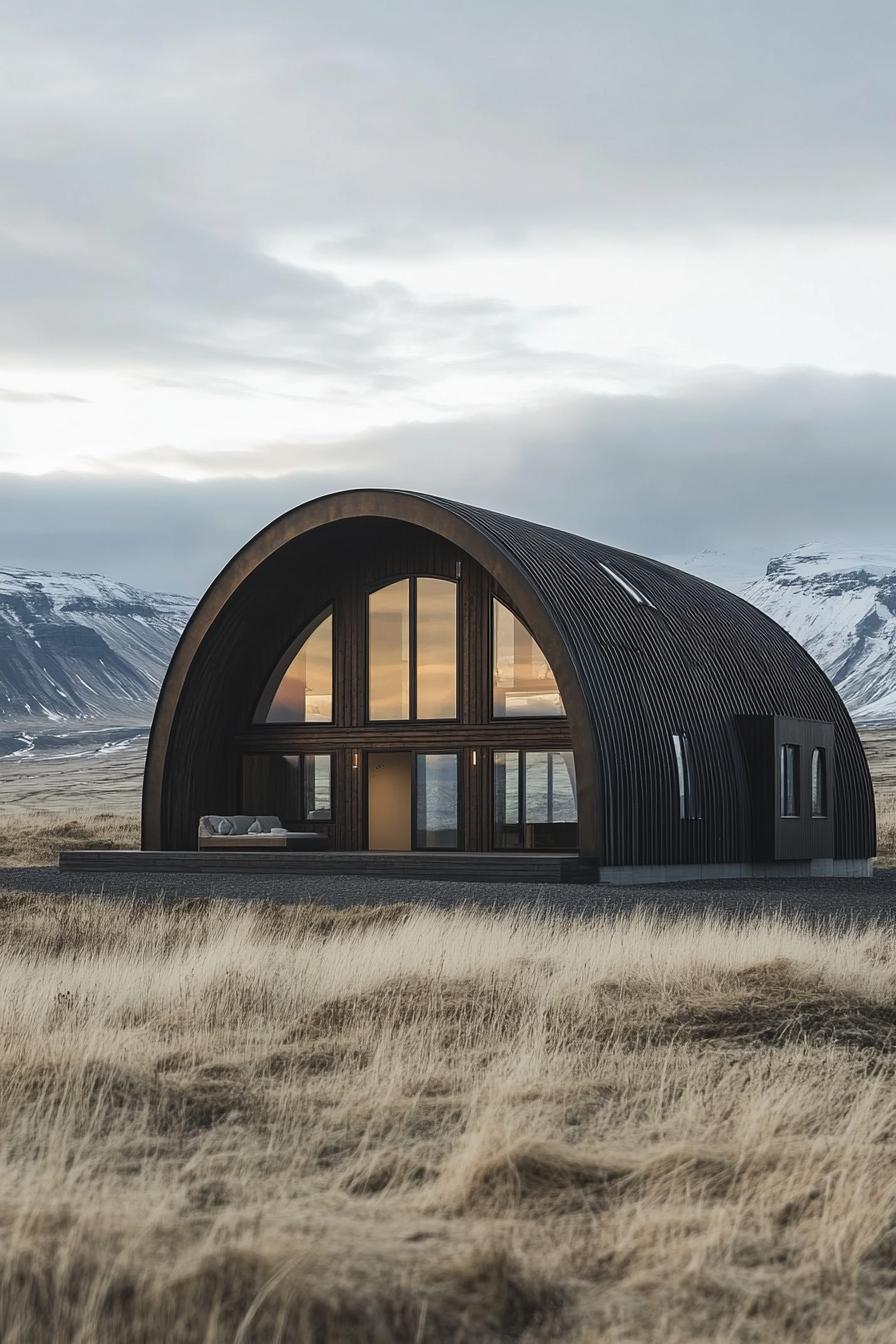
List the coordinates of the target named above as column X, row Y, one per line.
column 81, row 648
column 839, row 602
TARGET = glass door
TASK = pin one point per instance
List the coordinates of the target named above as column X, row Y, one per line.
column 436, row 801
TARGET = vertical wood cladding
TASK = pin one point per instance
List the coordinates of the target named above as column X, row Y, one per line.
column 698, row 662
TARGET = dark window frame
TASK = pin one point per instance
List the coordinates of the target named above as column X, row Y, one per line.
column 521, row 753
column 492, row 597
column 790, row 780
column 412, row 751
column 688, row 793
column 436, row 849
column 819, row 759
column 412, row 648
column 281, row 667
column 303, row 778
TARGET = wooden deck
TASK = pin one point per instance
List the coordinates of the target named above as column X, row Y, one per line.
column 454, row 867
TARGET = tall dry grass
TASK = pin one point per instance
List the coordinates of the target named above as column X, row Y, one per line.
column 34, row 839
column 253, row 1123
column 886, row 831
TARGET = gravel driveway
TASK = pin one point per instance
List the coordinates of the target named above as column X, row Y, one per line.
column 840, row 898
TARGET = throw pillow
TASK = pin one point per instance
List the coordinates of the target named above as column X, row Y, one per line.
column 256, row 828
column 225, row 826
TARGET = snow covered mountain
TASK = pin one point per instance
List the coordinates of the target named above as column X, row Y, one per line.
column 839, row 603
column 79, row 647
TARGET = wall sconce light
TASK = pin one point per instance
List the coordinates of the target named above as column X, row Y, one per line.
column 475, row 756
column 354, row 760
column 457, row 569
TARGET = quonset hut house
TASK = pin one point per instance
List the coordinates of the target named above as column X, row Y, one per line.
column 429, row 687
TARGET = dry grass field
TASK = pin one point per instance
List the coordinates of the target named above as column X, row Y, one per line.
column 401, row 1126
column 274, row 1123
column 34, row 839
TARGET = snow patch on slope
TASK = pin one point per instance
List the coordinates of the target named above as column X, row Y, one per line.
column 76, row 647
column 838, row 601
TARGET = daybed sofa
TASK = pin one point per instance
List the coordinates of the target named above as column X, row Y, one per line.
column 242, row 832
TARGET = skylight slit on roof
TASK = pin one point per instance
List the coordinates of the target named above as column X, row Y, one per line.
column 634, row 593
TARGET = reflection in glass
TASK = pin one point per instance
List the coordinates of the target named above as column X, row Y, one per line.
column 436, row 801
column 389, row 651
column 535, row 800
column 508, row 834
column 819, row 782
column 523, row 685
column 687, row 793
column 305, row 693
column 550, row 787
column 436, row 649
column 316, row 788
column 790, row 774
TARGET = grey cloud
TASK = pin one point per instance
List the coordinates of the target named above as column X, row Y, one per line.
column 731, row 462
column 422, row 123
column 149, row 152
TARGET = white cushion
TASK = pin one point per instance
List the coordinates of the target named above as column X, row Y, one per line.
column 225, row 826
column 278, row 830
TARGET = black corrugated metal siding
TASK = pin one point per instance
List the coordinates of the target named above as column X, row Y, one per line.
column 691, row 663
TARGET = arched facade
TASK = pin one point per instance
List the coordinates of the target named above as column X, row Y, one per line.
column 676, row 700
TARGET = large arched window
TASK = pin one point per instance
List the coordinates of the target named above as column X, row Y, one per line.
column 301, row 687
column 523, row 684
column 412, row 650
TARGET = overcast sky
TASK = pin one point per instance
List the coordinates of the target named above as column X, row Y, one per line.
column 629, row 268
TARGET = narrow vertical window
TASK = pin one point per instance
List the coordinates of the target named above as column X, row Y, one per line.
column 688, row 809
column 819, row 782
column 437, row 801
column 508, row 833
column 790, row 780
column 317, row 788
column 523, row 684
column 436, row 653
column 389, row 651
column 301, row 688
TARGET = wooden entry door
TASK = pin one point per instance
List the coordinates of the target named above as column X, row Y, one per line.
column 389, row 800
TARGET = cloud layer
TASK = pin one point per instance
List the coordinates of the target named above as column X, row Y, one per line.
column 729, row 463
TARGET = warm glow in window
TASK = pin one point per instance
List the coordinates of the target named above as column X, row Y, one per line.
column 304, row 693
column 436, row 649
column 389, row 651
column 523, row 685
column 412, row 650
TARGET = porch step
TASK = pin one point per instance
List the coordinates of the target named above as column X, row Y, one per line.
column 454, row 867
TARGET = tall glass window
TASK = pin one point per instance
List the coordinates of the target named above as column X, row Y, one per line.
column 790, row 780
column 389, row 651
column 819, row 782
column 304, row 691
column 535, row 800
column 508, row 833
column 523, row 685
column 412, row 643
column 317, row 802
column 436, row 808
column 436, row 649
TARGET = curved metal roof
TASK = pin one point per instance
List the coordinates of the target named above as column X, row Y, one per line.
column 689, row 659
